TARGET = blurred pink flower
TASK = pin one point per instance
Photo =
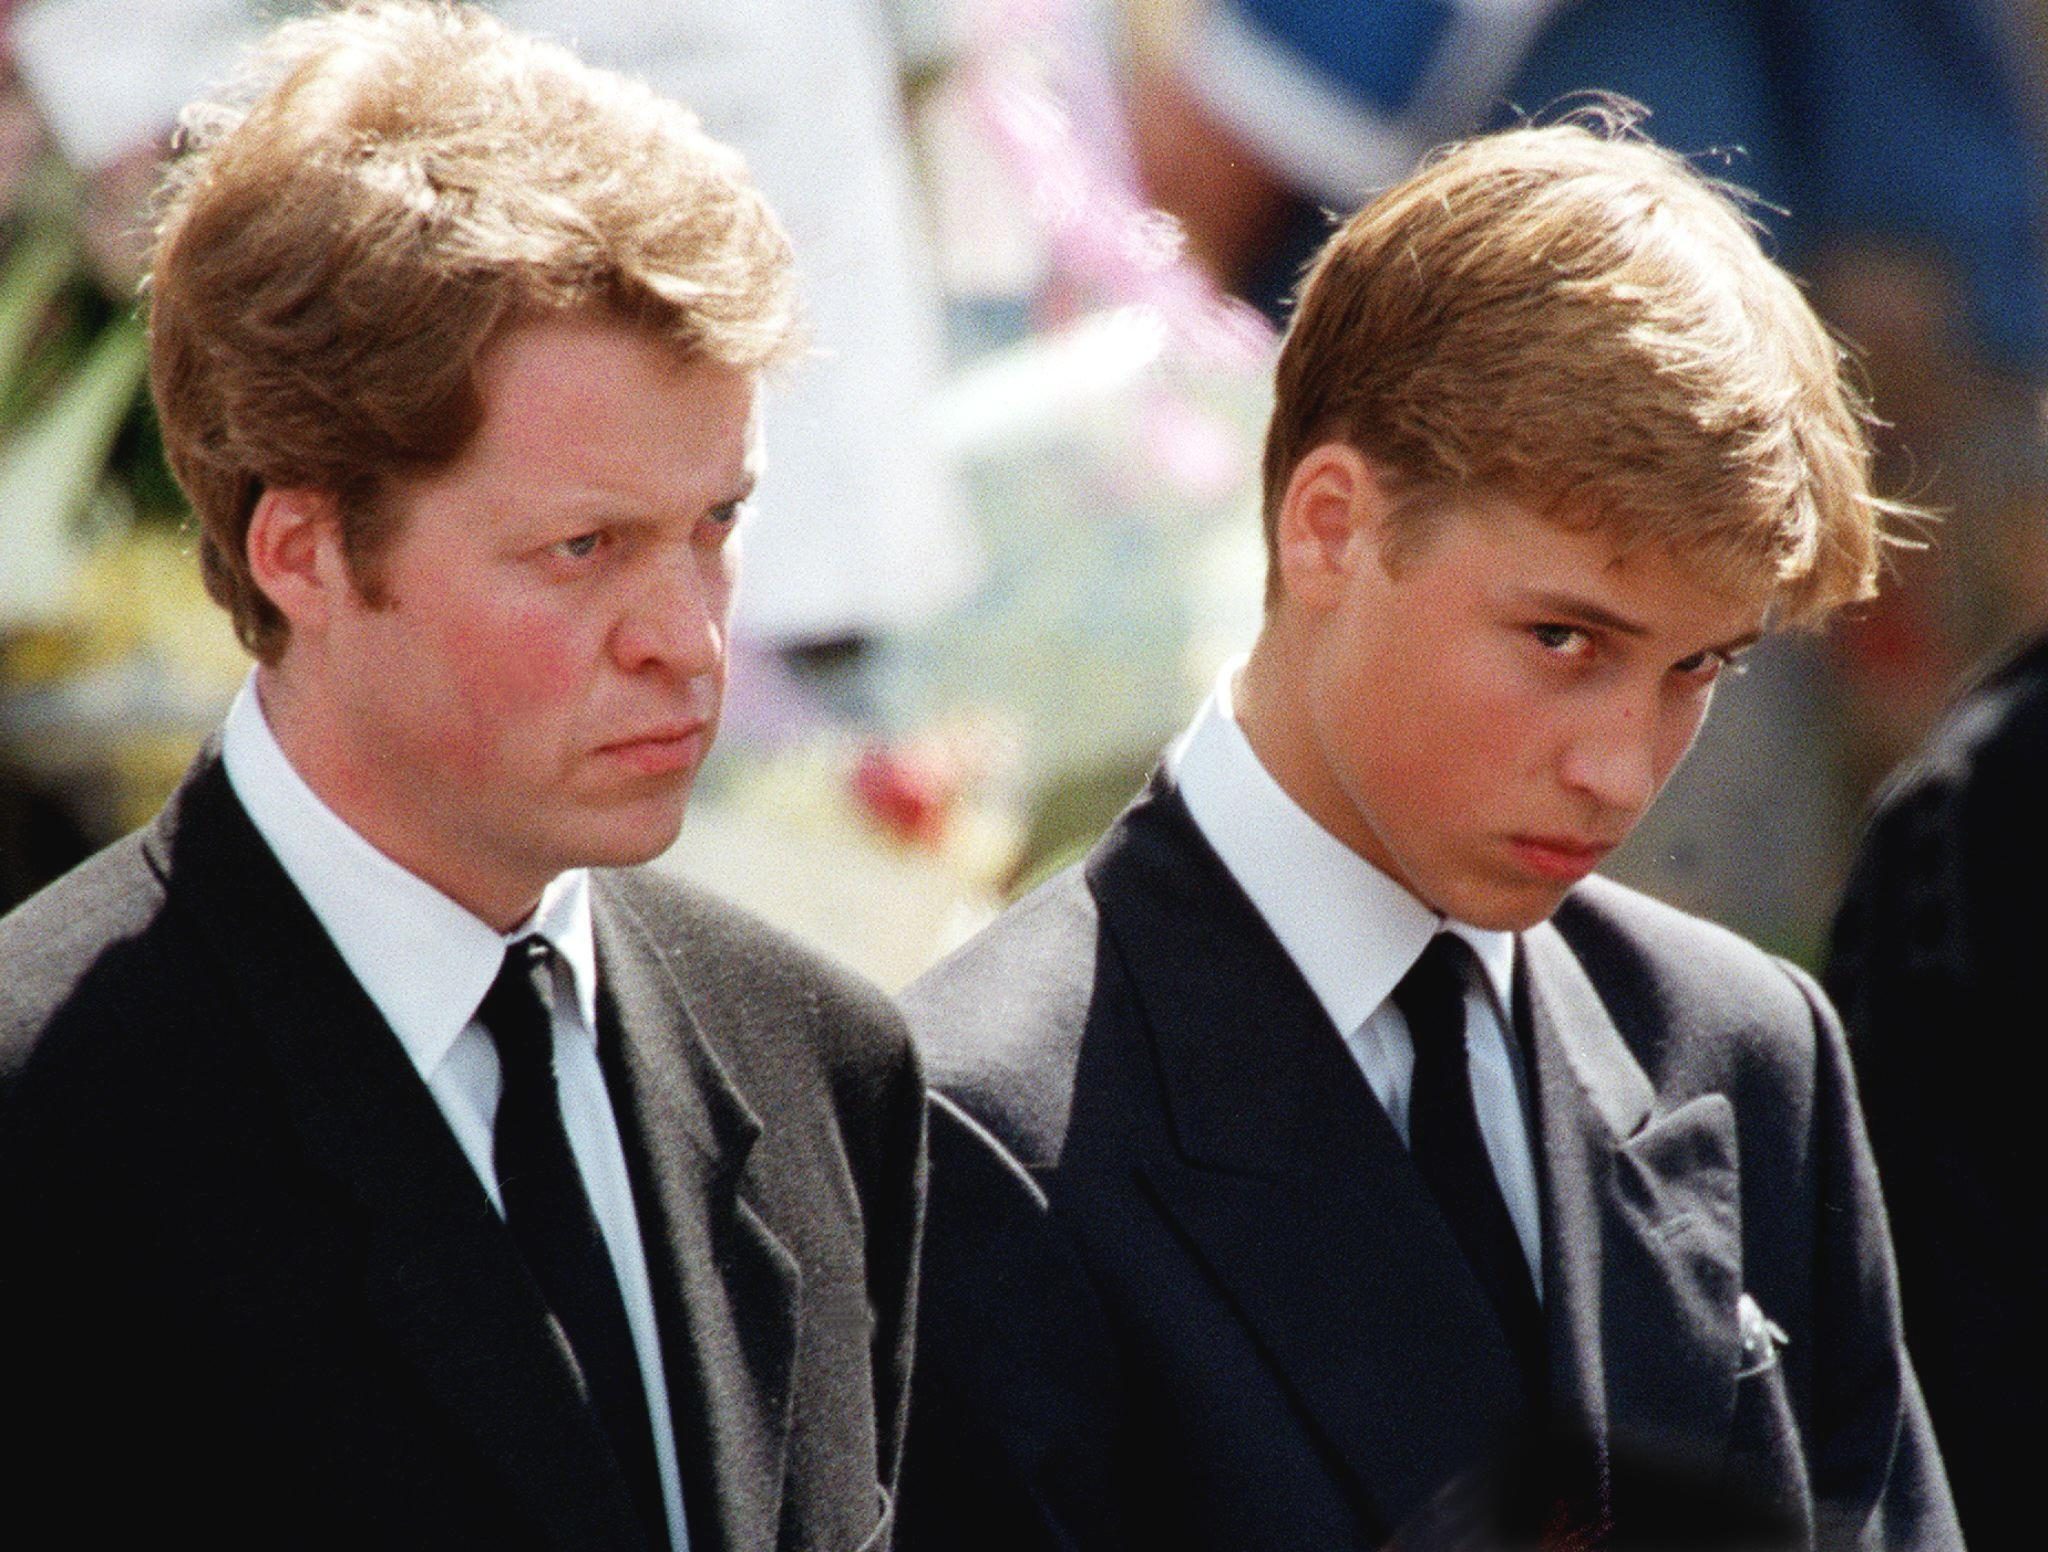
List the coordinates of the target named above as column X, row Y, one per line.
column 1042, row 91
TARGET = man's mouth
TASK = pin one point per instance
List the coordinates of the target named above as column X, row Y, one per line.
column 663, row 750
column 1563, row 858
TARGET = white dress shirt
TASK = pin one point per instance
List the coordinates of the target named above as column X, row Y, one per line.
column 426, row 963
column 1353, row 933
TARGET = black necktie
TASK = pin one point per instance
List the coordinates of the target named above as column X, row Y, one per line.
column 549, row 1214
column 1446, row 1144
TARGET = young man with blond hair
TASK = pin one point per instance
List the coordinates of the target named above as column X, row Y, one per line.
column 391, row 1163
column 1330, row 1160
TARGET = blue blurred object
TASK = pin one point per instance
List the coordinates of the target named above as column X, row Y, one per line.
column 1900, row 121
column 1895, row 120
column 1380, row 51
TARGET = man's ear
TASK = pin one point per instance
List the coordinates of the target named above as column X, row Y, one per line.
column 295, row 553
column 1332, row 519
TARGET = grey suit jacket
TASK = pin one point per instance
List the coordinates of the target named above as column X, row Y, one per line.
column 1184, row 1286
column 253, row 1290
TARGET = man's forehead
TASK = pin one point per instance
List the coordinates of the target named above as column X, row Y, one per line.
column 578, row 351
column 544, row 371
column 581, row 415
column 1609, row 573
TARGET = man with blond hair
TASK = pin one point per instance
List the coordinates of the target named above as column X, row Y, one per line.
column 1330, row 1160
column 390, row 1162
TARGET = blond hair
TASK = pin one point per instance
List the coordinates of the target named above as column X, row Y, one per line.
column 380, row 194
column 1573, row 318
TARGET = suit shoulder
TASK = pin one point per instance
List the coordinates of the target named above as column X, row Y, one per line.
column 1602, row 916
column 1688, row 985
column 999, row 1022
column 57, row 947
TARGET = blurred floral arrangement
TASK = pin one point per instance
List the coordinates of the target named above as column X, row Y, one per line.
column 883, row 851
column 1109, row 444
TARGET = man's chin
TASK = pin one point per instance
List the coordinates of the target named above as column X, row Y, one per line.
column 1502, row 907
column 628, row 839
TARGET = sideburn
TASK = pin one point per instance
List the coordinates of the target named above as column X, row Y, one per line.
column 368, row 525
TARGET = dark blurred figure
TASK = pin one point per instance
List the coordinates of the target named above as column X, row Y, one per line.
column 1942, row 933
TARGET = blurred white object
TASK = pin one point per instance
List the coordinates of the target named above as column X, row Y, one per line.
column 109, row 75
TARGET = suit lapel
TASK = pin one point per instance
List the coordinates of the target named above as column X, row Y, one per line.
column 727, row 1290
column 440, row 1274
column 1642, row 1242
column 1290, row 1182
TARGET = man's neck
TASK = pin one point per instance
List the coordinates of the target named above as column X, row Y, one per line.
column 332, row 765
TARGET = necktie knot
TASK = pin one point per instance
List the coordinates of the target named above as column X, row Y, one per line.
column 1431, row 995
column 517, row 1010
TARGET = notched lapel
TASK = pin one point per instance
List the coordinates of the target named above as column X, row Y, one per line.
column 728, row 1290
column 1290, row 1183
column 440, row 1273
column 1642, row 1242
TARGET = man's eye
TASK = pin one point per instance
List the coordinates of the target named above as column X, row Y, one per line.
column 1564, row 640
column 582, row 546
column 1706, row 667
column 720, row 522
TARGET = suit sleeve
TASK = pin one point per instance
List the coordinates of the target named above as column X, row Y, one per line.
column 1014, row 1419
column 1877, row 1478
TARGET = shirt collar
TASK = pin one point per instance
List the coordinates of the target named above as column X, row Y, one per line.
column 1350, row 929
column 424, row 960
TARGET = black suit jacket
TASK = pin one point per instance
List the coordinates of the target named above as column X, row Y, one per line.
column 1936, row 964
column 1184, row 1286
column 254, row 1292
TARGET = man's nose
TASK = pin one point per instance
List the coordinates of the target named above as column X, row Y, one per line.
column 676, row 618
column 1613, row 758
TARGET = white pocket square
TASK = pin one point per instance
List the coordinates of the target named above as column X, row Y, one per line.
column 1762, row 1337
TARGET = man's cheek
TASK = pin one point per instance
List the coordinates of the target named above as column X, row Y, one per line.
column 530, row 657
column 510, row 687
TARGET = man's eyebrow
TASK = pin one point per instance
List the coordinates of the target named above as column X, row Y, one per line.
column 1583, row 611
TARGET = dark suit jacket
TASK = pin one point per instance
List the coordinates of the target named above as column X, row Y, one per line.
column 1184, row 1287
column 1937, row 966
column 252, row 1291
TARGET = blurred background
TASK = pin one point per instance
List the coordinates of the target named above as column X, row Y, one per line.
column 1009, row 528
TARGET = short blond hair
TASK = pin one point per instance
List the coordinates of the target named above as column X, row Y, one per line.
column 381, row 193
column 1573, row 318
